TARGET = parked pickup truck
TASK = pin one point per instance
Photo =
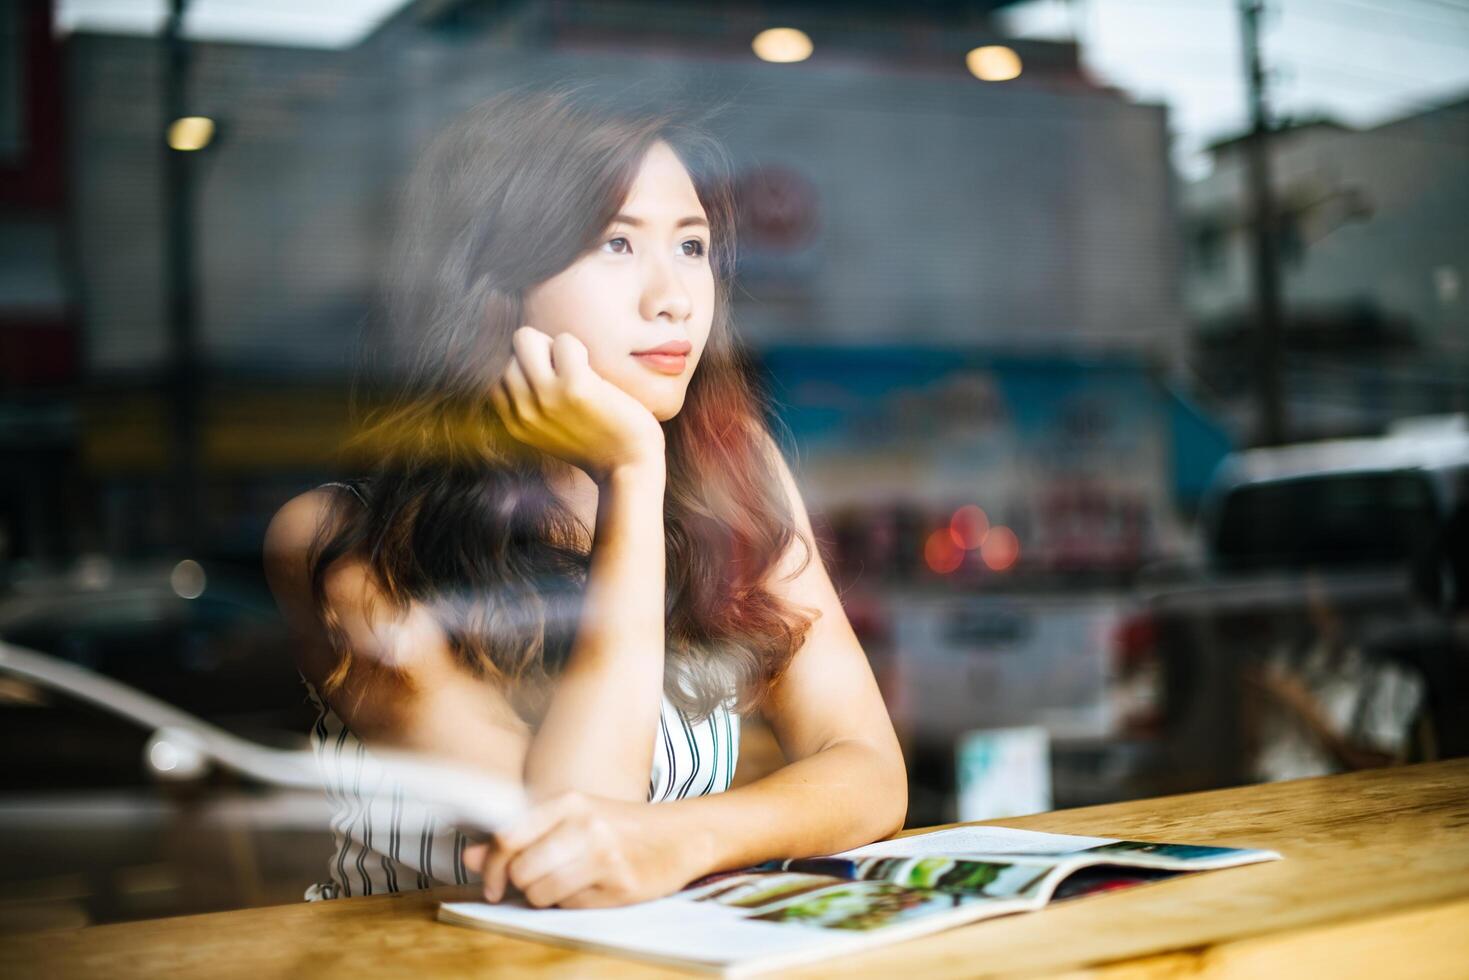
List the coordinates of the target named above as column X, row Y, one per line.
column 1310, row 550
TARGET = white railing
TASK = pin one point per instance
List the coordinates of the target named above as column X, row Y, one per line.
column 182, row 747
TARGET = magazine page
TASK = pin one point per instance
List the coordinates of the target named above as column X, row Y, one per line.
column 741, row 921
column 1174, row 857
column 1002, row 877
column 1096, row 879
column 801, row 925
column 991, row 843
column 702, row 935
column 773, row 888
column 978, row 840
column 796, row 911
column 1037, row 879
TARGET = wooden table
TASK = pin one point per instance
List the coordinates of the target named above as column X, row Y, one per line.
column 1375, row 883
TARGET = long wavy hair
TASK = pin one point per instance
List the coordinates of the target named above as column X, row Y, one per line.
column 456, row 514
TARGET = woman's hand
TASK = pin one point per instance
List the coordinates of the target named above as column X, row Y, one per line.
column 580, row 851
column 551, row 398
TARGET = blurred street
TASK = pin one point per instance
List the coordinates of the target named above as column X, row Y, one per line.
column 1120, row 349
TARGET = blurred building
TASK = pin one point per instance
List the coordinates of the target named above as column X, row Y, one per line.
column 1374, row 260
column 892, row 197
column 39, row 326
column 888, row 197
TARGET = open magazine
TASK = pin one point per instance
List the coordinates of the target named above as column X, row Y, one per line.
column 784, row 913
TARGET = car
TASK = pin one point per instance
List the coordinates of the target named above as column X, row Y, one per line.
column 1344, row 542
column 211, row 644
column 91, row 834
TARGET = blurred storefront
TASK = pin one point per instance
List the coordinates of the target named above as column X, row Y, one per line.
column 1007, row 344
column 1373, row 271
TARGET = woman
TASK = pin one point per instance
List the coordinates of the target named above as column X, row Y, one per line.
column 579, row 556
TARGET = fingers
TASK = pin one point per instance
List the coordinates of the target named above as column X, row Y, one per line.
column 476, row 857
column 493, row 874
column 542, row 369
column 572, row 362
column 505, row 845
column 593, row 897
column 522, row 397
column 539, row 820
column 554, row 867
column 533, row 352
column 554, row 870
column 500, row 398
column 572, row 881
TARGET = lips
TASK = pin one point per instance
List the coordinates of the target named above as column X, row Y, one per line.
column 664, row 363
column 678, row 347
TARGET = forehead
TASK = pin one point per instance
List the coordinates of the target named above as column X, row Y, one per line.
column 662, row 184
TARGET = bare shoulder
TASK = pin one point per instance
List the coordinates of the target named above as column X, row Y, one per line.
column 286, row 555
column 296, row 522
column 777, row 457
column 380, row 633
column 402, row 662
column 802, row 553
column 288, row 542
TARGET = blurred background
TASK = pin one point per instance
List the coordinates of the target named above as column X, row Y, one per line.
column 1121, row 348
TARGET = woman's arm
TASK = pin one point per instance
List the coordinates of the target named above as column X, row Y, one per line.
column 597, row 735
column 845, row 786
column 408, row 690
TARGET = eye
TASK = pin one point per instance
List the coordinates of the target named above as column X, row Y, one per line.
column 693, row 248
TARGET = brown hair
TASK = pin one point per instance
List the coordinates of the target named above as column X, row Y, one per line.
column 458, row 514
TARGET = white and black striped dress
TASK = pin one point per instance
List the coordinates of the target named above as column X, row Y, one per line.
column 388, row 842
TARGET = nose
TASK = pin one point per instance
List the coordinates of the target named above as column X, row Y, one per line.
column 664, row 292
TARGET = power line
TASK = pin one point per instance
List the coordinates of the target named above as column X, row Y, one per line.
column 1417, row 104
column 1361, row 73
column 1290, row 13
column 1397, row 11
column 1448, row 5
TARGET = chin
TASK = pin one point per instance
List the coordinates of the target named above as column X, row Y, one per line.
column 664, row 404
column 664, row 413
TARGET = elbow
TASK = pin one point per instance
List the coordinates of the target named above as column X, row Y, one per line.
column 896, row 816
column 890, row 810
column 542, row 782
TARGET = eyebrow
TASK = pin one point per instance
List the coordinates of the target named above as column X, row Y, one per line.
column 692, row 219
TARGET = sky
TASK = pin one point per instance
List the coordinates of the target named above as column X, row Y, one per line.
column 306, row 23
column 1362, row 62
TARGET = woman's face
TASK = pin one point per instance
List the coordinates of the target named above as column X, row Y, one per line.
column 648, row 284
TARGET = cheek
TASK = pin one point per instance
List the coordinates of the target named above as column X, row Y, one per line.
column 573, row 303
column 706, row 323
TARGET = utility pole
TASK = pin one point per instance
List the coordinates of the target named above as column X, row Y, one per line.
column 1273, row 426
column 179, row 281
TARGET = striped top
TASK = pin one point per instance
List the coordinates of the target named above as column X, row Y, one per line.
column 388, row 842
column 385, row 841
